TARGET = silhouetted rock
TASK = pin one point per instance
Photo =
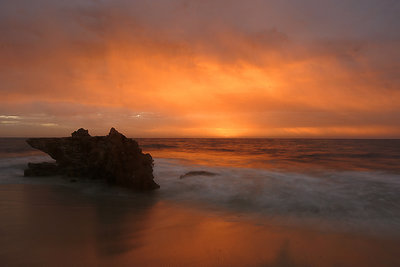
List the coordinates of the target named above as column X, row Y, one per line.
column 81, row 133
column 114, row 158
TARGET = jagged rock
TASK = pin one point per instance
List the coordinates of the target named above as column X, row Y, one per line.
column 114, row 158
column 81, row 133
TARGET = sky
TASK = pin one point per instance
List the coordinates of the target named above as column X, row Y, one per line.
column 205, row 68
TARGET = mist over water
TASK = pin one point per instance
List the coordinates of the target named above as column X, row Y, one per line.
column 348, row 186
column 352, row 183
column 342, row 183
column 349, row 197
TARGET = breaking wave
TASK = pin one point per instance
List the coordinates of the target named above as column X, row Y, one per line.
column 369, row 199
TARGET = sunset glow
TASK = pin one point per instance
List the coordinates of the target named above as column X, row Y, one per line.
column 200, row 68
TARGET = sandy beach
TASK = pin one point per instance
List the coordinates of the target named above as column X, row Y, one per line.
column 47, row 225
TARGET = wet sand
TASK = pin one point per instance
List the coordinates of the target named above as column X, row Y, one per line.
column 53, row 225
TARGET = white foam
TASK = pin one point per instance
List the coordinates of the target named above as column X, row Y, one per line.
column 349, row 197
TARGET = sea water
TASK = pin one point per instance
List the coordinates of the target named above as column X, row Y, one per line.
column 353, row 182
column 265, row 196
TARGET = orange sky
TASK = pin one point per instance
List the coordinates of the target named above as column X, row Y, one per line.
column 185, row 69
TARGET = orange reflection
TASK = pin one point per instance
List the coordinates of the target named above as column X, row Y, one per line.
column 183, row 236
column 57, row 224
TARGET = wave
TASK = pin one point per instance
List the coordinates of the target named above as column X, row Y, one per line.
column 369, row 199
column 349, row 197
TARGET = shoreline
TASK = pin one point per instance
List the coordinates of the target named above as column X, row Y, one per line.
column 227, row 200
column 98, row 229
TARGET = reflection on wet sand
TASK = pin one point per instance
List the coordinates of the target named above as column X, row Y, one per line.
column 120, row 224
column 186, row 237
column 53, row 225
column 50, row 225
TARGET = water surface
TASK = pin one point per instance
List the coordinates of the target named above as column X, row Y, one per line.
column 273, row 202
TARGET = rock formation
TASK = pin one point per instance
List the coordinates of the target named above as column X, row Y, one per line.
column 114, row 158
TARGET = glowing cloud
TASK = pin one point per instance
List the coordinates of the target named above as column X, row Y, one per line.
column 200, row 68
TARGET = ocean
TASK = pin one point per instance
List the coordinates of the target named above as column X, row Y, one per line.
column 269, row 202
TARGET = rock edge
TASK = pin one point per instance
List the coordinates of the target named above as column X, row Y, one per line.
column 114, row 158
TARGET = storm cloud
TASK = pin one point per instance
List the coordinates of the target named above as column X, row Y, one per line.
column 201, row 68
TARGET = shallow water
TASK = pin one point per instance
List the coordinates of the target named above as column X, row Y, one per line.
column 261, row 209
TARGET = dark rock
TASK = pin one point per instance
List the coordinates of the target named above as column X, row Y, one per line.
column 81, row 133
column 195, row 173
column 114, row 158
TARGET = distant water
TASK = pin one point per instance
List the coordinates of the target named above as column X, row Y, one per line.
column 335, row 187
column 355, row 183
column 285, row 154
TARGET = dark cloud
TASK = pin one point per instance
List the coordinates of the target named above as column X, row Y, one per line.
column 72, row 60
